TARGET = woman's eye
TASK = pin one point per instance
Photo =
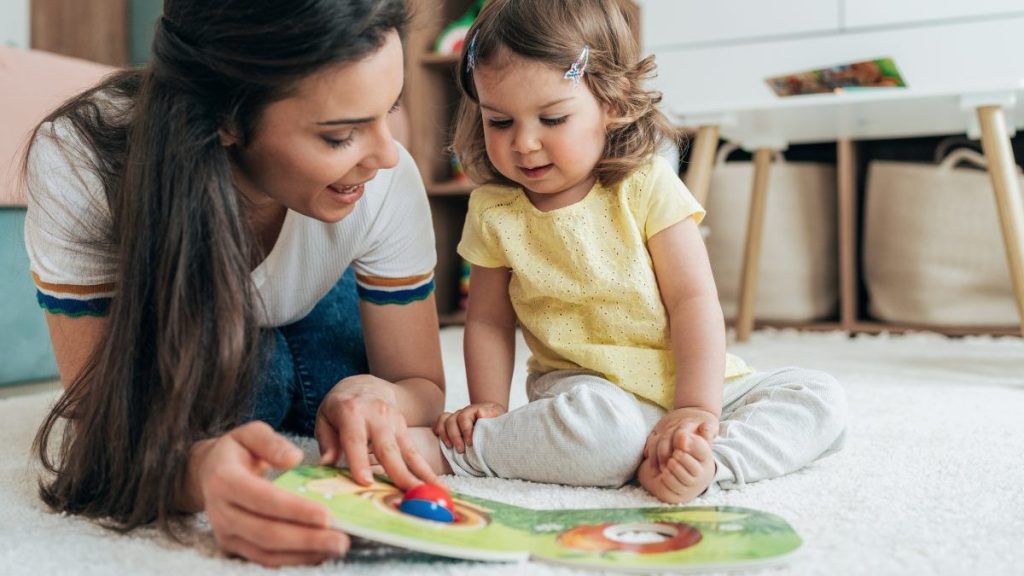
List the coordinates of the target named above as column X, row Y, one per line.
column 499, row 124
column 338, row 143
column 553, row 121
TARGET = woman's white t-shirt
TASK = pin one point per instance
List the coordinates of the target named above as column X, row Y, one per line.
column 388, row 239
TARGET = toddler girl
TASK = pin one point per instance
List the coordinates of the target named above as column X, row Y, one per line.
column 589, row 241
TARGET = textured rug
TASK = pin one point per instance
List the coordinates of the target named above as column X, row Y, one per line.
column 931, row 480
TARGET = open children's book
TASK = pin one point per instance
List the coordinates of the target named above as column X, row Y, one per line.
column 682, row 539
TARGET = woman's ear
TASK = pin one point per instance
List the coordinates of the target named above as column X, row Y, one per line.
column 227, row 137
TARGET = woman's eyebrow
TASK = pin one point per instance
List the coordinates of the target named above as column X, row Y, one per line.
column 349, row 121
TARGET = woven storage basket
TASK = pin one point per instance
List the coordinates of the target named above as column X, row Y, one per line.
column 933, row 249
column 798, row 280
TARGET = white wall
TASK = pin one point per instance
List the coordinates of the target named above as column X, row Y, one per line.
column 14, row 15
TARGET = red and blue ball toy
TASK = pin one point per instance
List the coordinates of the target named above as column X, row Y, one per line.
column 429, row 501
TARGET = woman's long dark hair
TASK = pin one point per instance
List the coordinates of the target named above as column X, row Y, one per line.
column 181, row 352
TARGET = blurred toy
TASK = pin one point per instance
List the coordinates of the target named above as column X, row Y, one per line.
column 429, row 501
column 464, row 270
column 867, row 74
column 458, row 172
column 453, row 36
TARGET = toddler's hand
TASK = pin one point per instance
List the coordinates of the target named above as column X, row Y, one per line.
column 671, row 430
column 455, row 429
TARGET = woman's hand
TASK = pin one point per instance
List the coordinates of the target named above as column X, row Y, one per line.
column 359, row 413
column 250, row 516
column 455, row 429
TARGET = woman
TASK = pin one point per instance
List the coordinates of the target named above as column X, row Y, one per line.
column 189, row 226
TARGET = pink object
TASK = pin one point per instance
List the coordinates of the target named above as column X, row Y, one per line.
column 33, row 84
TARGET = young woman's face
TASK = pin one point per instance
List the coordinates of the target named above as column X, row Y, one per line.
column 314, row 150
column 541, row 131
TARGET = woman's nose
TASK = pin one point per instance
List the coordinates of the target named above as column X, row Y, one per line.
column 385, row 151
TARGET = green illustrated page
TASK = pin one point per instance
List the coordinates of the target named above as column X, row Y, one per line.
column 676, row 539
column 372, row 512
column 627, row 539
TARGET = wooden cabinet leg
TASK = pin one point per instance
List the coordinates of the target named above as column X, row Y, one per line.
column 846, row 153
column 1002, row 168
column 702, row 162
column 752, row 251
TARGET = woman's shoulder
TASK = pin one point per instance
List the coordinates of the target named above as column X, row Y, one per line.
column 58, row 156
column 65, row 190
column 60, row 141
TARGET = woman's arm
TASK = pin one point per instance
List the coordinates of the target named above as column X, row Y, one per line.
column 403, row 347
column 74, row 342
column 688, row 292
column 405, row 387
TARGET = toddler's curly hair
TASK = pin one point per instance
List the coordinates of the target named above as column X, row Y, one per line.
column 555, row 33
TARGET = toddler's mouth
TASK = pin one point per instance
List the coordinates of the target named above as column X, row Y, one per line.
column 535, row 172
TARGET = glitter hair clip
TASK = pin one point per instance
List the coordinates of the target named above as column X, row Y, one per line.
column 575, row 72
column 471, row 54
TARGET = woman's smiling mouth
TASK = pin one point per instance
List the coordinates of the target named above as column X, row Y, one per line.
column 347, row 194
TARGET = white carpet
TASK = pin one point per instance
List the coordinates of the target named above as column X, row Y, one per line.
column 931, row 481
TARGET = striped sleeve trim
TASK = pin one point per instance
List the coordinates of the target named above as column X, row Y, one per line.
column 73, row 300
column 377, row 290
column 73, row 308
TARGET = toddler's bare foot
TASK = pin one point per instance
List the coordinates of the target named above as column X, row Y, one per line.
column 686, row 474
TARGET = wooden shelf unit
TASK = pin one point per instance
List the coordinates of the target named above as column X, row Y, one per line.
column 431, row 99
column 94, row 30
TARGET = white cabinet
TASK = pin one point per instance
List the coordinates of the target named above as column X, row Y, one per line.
column 961, row 59
column 690, row 22
column 14, row 23
column 968, row 55
column 868, row 13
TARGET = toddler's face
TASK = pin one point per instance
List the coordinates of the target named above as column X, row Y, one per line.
column 541, row 131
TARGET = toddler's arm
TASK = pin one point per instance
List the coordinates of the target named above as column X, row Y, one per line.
column 489, row 345
column 688, row 291
column 490, row 339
